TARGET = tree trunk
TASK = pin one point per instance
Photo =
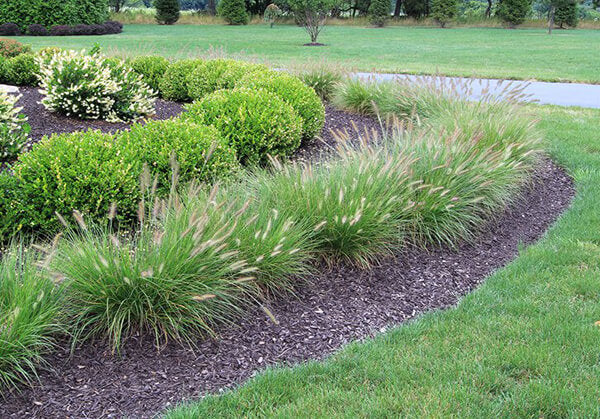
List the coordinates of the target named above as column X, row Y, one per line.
column 397, row 8
column 488, row 11
column 551, row 19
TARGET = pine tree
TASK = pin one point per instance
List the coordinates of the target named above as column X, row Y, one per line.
column 443, row 11
column 513, row 12
column 379, row 12
column 233, row 11
column 566, row 13
column 167, row 11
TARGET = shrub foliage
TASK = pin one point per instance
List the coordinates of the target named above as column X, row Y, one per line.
column 233, row 11
column 13, row 129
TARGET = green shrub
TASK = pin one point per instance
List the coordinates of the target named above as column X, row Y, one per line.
column 513, row 12
column 13, row 129
column 167, row 11
column 82, row 171
column 213, row 75
column 379, row 12
column 22, row 70
column 176, row 278
column 257, row 123
column 54, row 12
column 233, row 11
column 174, row 84
column 200, row 152
column 566, row 13
column 10, row 48
column 152, row 68
column 302, row 98
column 443, row 11
column 28, row 317
column 10, row 211
column 93, row 87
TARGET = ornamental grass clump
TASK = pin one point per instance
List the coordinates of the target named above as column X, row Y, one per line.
column 13, row 127
column 93, row 87
column 176, row 277
column 29, row 316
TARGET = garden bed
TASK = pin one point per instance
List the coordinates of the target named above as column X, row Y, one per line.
column 45, row 123
column 336, row 307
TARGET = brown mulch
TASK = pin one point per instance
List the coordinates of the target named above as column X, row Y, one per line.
column 337, row 306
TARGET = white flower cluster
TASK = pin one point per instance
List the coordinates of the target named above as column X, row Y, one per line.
column 13, row 131
column 93, row 87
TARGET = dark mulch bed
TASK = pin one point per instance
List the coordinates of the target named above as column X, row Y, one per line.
column 340, row 305
column 43, row 122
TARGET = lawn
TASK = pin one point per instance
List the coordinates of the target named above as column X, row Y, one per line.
column 523, row 345
column 572, row 55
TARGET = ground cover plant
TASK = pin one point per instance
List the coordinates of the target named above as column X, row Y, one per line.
column 522, row 345
column 420, row 50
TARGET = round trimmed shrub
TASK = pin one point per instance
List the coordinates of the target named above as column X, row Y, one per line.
column 218, row 74
column 174, row 83
column 200, row 151
column 10, row 48
column 83, row 171
column 257, row 123
column 37, row 30
column 152, row 68
column 294, row 92
column 233, row 11
column 22, row 70
column 10, row 29
column 93, row 87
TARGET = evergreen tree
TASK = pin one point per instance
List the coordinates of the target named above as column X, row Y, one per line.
column 233, row 11
column 565, row 13
column 513, row 12
column 167, row 11
column 443, row 11
column 379, row 12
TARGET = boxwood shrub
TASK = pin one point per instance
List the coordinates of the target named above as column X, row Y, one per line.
column 22, row 70
column 257, row 123
column 218, row 74
column 152, row 68
column 294, row 92
column 173, row 85
column 200, row 151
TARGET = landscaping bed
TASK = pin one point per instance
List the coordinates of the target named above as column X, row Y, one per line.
column 340, row 305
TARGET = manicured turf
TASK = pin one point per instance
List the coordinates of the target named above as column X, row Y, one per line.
column 523, row 345
column 486, row 52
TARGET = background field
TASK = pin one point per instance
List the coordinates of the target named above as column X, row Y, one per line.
column 572, row 55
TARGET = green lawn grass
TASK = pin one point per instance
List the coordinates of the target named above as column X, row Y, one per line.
column 523, row 345
column 572, row 55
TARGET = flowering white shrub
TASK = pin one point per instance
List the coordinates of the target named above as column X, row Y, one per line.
column 13, row 129
column 93, row 87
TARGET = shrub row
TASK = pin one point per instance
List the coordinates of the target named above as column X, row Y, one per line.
column 200, row 256
column 35, row 29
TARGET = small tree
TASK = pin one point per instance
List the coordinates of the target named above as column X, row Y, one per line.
column 443, row 11
column 233, row 11
column 513, row 12
column 167, row 11
column 312, row 15
column 565, row 13
column 379, row 12
column 272, row 13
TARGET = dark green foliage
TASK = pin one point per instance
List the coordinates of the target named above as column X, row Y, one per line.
column 167, row 11
column 53, row 12
column 152, row 68
column 513, row 12
column 218, row 74
column 233, row 11
column 257, row 123
column 379, row 12
column 566, row 13
column 416, row 9
column 22, row 70
column 443, row 11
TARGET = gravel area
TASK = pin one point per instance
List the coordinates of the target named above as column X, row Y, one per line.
column 340, row 305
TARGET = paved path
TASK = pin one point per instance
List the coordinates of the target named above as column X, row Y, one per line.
column 564, row 94
column 8, row 89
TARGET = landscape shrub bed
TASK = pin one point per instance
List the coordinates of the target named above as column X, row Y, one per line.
column 13, row 127
column 152, row 68
column 174, row 84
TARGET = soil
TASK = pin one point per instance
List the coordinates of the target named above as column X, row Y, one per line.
column 340, row 305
